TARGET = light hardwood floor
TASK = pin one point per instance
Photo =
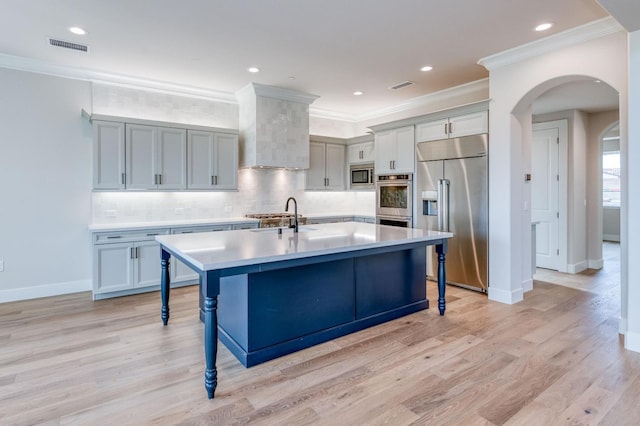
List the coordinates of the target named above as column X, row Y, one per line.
column 554, row 359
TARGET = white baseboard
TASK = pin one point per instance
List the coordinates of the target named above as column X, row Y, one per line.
column 34, row 292
column 575, row 268
column 622, row 326
column 527, row 285
column 611, row 237
column 596, row 263
column 632, row 341
column 506, row 296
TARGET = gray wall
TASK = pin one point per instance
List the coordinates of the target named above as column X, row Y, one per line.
column 45, row 173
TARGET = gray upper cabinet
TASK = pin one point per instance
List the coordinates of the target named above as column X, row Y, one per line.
column 453, row 127
column 132, row 154
column 212, row 160
column 326, row 167
column 361, row 153
column 108, row 155
column 155, row 157
column 395, row 151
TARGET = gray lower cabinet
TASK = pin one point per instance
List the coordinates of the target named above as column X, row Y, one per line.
column 128, row 262
column 125, row 261
column 335, row 219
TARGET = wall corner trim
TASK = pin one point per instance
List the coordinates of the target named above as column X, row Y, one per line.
column 509, row 297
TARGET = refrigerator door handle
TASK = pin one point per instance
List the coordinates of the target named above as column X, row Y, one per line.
column 443, row 205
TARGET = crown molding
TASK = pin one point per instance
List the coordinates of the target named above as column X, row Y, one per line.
column 40, row 67
column 431, row 98
column 589, row 31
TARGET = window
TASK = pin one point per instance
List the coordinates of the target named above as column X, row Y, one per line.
column 611, row 179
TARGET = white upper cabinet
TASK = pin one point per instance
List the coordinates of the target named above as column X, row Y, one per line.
column 326, row 166
column 395, row 151
column 212, row 160
column 133, row 154
column 108, row 155
column 361, row 153
column 453, row 127
column 155, row 157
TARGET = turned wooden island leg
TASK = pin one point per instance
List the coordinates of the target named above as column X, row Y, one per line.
column 210, row 288
column 165, row 286
column 441, row 249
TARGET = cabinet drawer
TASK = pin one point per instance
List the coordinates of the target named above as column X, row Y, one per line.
column 204, row 228
column 123, row 237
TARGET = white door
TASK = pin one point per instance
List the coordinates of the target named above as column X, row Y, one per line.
column 544, row 195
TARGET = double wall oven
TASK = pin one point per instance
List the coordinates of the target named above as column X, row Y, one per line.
column 394, row 200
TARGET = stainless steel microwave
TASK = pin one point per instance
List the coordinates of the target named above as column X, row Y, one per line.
column 361, row 176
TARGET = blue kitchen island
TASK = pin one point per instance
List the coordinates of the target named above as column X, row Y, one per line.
column 266, row 293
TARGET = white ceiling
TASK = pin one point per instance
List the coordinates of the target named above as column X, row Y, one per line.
column 331, row 47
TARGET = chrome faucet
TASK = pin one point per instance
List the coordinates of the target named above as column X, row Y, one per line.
column 295, row 213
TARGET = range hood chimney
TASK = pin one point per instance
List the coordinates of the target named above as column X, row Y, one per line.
column 274, row 126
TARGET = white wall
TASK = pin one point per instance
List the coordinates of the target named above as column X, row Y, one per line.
column 599, row 123
column 514, row 85
column 630, row 226
column 45, row 170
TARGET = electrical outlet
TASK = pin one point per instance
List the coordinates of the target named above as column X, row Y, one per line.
column 1, row 265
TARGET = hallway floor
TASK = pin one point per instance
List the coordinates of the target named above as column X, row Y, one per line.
column 605, row 281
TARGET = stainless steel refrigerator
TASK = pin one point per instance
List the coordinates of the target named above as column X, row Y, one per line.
column 452, row 195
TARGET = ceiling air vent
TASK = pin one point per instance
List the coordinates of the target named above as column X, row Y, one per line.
column 401, row 85
column 69, row 45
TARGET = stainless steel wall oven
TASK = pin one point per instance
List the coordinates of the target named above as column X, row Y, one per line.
column 394, row 199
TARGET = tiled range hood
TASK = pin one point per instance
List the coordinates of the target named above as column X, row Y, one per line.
column 274, row 127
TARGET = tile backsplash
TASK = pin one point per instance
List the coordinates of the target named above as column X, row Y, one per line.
column 259, row 191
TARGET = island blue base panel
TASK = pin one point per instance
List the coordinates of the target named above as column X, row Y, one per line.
column 264, row 315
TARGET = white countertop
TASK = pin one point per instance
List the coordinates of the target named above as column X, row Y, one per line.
column 227, row 249
column 168, row 223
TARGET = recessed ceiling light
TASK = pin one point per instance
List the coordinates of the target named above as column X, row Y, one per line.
column 426, row 68
column 358, row 93
column 78, row 31
column 544, row 27
column 253, row 69
column 597, row 81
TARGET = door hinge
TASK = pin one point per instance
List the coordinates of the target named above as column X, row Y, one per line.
column 558, row 215
column 558, row 140
column 558, row 178
column 558, row 251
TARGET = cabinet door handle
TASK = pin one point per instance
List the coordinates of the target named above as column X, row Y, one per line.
column 113, row 237
column 152, row 235
column 124, row 177
column 212, row 181
column 159, row 179
column 131, row 252
column 216, row 179
column 155, row 179
column 450, row 128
